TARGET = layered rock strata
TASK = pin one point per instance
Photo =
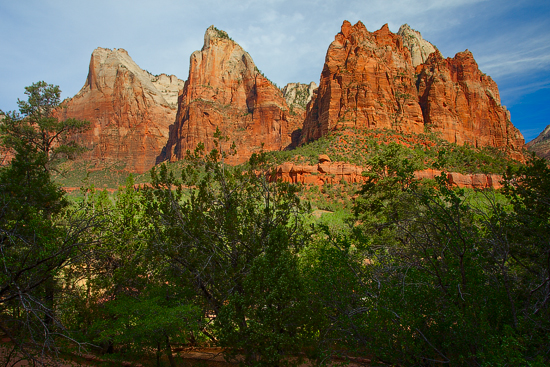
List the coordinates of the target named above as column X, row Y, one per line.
column 382, row 80
column 326, row 172
column 225, row 91
column 130, row 111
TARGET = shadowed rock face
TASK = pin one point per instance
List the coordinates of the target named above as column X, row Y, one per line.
column 370, row 81
column 541, row 144
column 129, row 109
column 226, row 91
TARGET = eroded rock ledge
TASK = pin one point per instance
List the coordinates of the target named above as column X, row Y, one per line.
column 327, row 172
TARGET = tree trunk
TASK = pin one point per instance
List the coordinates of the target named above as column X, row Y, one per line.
column 169, row 353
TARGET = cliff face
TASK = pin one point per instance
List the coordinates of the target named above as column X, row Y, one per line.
column 401, row 82
column 129, row 109
column 419, row 48
column 541, row 144
column 226, row 91
column 367, row 82
column 463, row 104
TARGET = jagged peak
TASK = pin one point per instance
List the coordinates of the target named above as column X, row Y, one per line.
column 116, row 58
column 214, row 33
column 419, row 48
column 543, row 136
column 405, row 28
column 105, row 64
column 541, row 144
column 385, row 28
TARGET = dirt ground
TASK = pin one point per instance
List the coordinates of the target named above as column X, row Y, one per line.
column 185, row 357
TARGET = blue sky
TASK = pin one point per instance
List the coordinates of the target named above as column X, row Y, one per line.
column 52, row 40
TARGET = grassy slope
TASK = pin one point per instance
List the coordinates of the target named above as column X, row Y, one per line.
column 359, row 146
column 331, row 203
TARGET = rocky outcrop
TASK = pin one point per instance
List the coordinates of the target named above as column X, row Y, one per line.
column 370, row 81
column 419, row 48
column 298, row 95
column 367, row 82
column 226, row 91
column 130, row 111
column 471, row 181
column 169, row 86
column 541, row 144
column 327, row 172
column 462, row 104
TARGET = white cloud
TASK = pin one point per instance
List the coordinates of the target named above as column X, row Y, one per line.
column 287, row 39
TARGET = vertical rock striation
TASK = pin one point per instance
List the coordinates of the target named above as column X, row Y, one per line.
column 367, row 82
column 226, row 91
column 130, row 111
column 462, row 104
column 401, row 82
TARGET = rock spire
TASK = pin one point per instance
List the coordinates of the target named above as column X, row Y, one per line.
column 226, row 91
column 130, row 111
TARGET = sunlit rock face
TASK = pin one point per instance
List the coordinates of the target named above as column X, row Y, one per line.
column 130, row 111
column 462, row 104
column 382, row 80
column 327, row 172
column 419, row 48
column 298, row 95
column 225, row 91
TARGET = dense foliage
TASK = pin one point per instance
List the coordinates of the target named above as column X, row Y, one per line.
column 420, row 273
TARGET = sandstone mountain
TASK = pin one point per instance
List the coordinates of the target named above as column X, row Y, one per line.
column 298, row 95
column 226, row 91
column 419, row 48
column 370, row 81
column 541, row 144
column 130, row 111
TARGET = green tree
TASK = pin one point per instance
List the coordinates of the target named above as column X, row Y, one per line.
column 454, row 276
column 234, row 237
column 38, row 237
column 528, row 247
column 38, row 128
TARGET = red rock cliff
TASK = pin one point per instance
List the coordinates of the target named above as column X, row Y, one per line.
column 129, row 114
column 225, row 90
column 463, row 105
column 369, row 81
